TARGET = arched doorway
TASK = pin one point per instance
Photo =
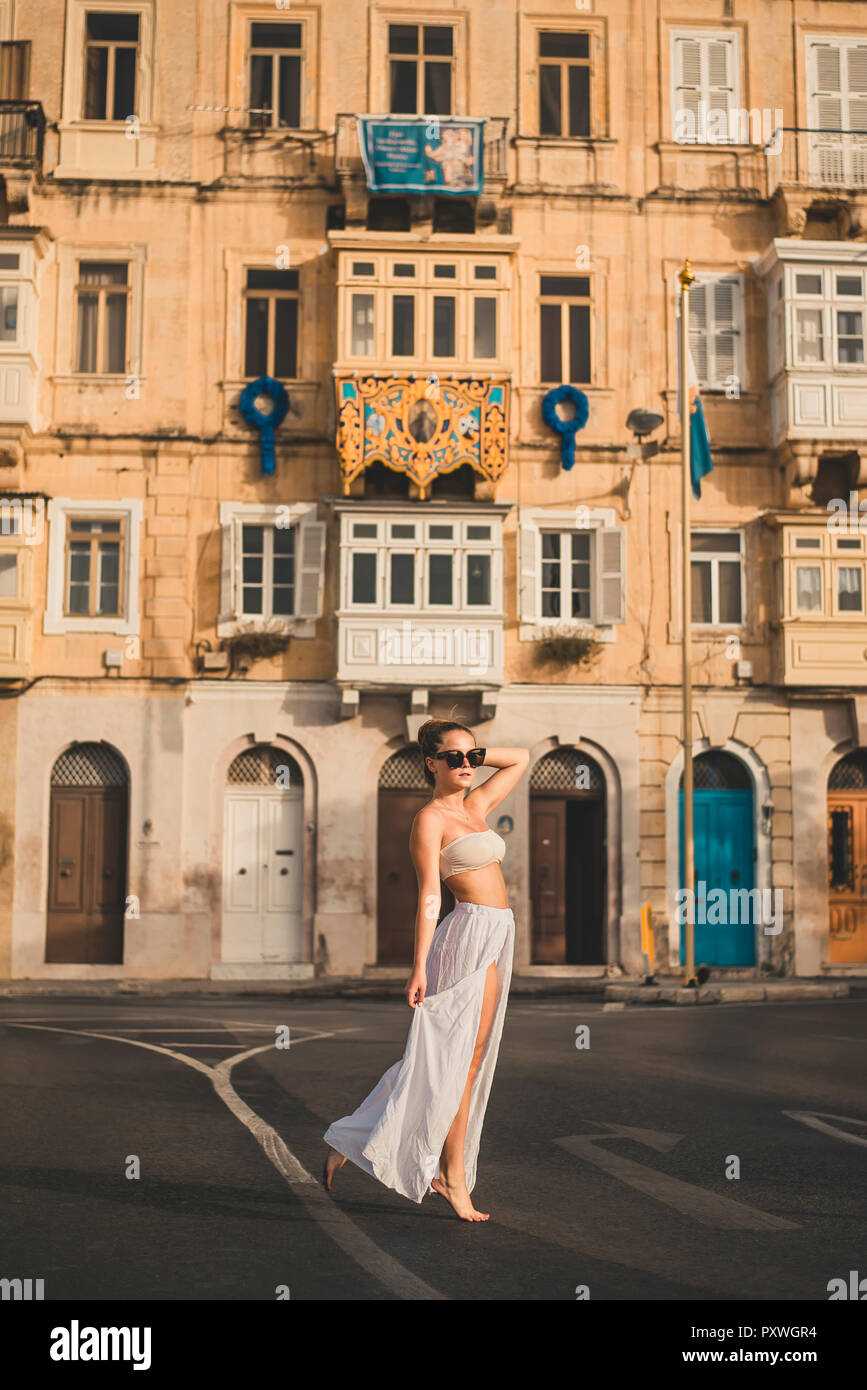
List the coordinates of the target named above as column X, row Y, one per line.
column 403, row 791
column 263, row 859
column 847, row 859
column 87, row 856
column 568, row 859
column 724, row 858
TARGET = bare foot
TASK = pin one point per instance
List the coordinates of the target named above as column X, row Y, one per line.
column 458, row 1196
column 333, row 1163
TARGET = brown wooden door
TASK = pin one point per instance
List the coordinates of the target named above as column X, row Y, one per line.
column 568, row 879
column 548, row 879
column 847, row 877
column 86, row 875
column 397, row 885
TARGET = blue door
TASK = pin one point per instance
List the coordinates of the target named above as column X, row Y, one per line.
column 723, row 823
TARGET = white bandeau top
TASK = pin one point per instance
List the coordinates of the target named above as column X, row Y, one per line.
column 487, row 847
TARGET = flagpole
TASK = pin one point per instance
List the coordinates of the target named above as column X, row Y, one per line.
column 686, row 278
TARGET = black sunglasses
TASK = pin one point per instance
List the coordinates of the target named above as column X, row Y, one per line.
column 454, row 758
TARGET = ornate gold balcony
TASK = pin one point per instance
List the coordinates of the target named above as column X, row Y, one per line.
column 422, row 427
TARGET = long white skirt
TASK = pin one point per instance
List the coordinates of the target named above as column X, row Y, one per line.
column 398, row 1131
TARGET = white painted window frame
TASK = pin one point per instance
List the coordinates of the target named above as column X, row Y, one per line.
column 704, row 36
column 59, row 510
column 714, row 558
column 383, row 546
column 69, row 256
column 529, row 570
column 234, row 515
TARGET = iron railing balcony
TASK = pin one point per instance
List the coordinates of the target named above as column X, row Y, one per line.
column 22, row 132
column 814, row 158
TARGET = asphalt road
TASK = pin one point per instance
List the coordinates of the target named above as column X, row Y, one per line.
column 602, row 1166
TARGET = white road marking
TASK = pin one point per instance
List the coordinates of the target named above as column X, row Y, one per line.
column 340, row 1227
column 811, row 1118
column 708, row 1208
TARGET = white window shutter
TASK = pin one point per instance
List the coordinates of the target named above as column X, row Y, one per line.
column 856, row 68
column 229, row 571
column 310, row 569
column 726, row 327
column 698, row 331
column 827, row 85
column 720, row 77
column 610, row 599
column 528, row 572
column 687, row 89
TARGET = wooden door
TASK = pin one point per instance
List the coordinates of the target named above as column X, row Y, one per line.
column 847, row 877
column 548, row 879
column 86, row 875
column 397, row 885
column 262, row 895
column 723, row 857
column 586, row 863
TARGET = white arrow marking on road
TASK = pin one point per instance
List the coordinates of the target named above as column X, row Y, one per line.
column 811, row 1118
column 705, row 1207
column 321, row 1205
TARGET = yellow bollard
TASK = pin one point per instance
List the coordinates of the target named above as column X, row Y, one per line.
column 647, row 939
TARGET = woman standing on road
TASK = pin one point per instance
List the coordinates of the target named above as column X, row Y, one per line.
column 419, row 1129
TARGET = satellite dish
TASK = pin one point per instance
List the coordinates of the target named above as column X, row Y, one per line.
column 642, row 422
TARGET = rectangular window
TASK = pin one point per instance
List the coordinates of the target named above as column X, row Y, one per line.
column 566, row 574
column 564, row 84
column 478, row 579
column 8, row 576
column 810, row 341
column 420, row 59
column 484, row 327
column 716, row 577
column 271, row 324
column 8, row 313
column 275, row 75
column 849, row 592
column 403, row 325
column 808, row 588
column 363, row 578
column 715, row 329
column 267, row 571
column 110, row 57
column 705, row 79
column 439, row 578
column 402, row 588
column 362, row 325
column 443, row 326
column 102, row 295
column 94, row 556
column 836, row 106
column 850, row 336
column 565, row 329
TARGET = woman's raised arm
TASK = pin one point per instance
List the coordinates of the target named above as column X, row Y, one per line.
column 512, row 763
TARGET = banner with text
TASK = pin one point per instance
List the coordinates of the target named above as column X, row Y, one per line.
column 421, row 154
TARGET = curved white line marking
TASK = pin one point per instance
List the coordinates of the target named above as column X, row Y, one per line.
column 342, row 1229
column 811, row 1118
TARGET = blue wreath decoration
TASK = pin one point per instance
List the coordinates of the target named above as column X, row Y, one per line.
column 567, row 429
column 265, row 424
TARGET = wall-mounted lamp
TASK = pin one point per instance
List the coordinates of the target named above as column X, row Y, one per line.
column 767, row 816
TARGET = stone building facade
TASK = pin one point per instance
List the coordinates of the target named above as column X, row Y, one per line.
column 211, row 674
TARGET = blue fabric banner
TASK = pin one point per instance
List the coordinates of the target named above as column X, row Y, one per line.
column 421, row 154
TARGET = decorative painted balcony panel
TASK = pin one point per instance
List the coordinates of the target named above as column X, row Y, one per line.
column 422, row 427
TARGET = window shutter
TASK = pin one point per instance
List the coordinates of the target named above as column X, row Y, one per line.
column 698, row 331
column 856, row 64
column 720, row 78
column 310, row 569
column 827, row 103
column 726, row 295
column 529, row 574
column 687, row 89
column 610, row 600
column 229, row 578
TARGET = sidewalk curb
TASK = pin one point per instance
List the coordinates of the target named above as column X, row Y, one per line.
column 623, row 992
column 734, row 992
